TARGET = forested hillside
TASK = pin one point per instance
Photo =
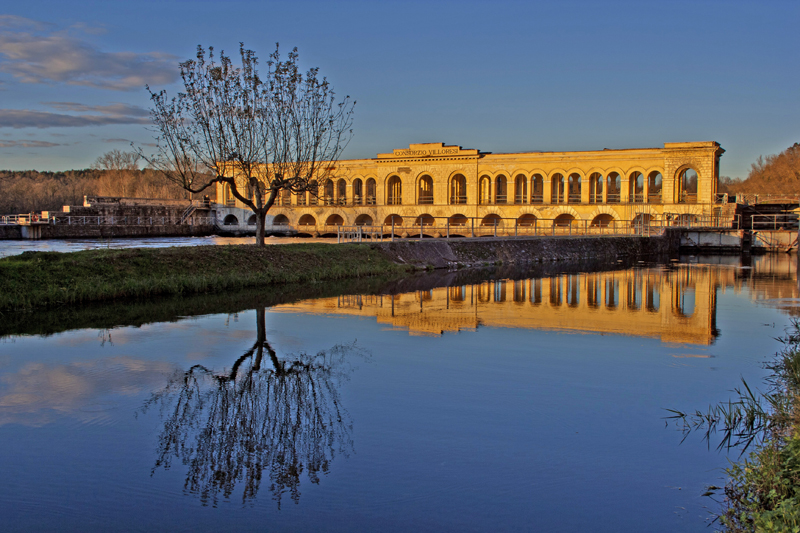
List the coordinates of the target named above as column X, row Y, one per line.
column 113, row 174
column 774, row 174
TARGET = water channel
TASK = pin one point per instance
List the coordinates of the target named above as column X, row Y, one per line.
column 14, row 247
column 469, row 401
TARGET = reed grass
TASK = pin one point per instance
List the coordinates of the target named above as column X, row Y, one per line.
column 763, row 490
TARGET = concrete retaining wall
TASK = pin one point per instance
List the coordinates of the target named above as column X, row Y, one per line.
column 90, row 230
column 714, row 241
column 10, row 232
column 443, row 254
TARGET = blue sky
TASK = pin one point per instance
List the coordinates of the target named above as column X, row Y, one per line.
column 500, row 77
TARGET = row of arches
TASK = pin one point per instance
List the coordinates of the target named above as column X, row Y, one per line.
column 636, row 294
column 563, row 189
column 334, row 192
column 500, row 190
column 526, row 220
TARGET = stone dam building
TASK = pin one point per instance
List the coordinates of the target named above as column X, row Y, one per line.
column 432, row 184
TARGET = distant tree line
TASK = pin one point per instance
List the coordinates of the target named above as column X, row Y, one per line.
column 773, row 174
column 114, row 173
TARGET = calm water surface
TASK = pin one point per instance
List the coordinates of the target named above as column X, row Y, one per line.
column 530, row 404
column 12, row 247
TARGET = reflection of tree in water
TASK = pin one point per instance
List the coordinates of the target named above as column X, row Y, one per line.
column 279, row 416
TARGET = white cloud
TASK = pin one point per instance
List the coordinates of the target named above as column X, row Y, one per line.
column 33, row 52
column 38, row 393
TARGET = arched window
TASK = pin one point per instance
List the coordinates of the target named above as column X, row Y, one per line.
column 613, row 186
column 425, row 190
column 557, row 183
column 485, row 196
column 537, row 189
column 636, row 187
column 334, row 220
column 280, row 220
column 307, row 220
column 526, row 220
column 458, row 189
column 687, row 186
column 371, row 192
column 602, row 221
column 492, row 220
column 230, row 220
column 313, row 194
column 575, row 188
column 564, row 220
column 397, row 220
column 424, row 220
column 596, row 188
column 227, row 195
column 285, row 197
column 394, row 191
column 363, row 220
column 328, row 196
column 358, row 192
column 654, row 185
column 458, row 220
column 501, row 190
column 520, row 189
column 341, row 192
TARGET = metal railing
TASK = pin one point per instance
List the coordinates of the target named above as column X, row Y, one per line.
column 750, row 199
column 129, row 221
column 443, row 227
column 780, row 221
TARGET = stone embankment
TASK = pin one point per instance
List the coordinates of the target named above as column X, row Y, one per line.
column 477, row 252
column 95, row 231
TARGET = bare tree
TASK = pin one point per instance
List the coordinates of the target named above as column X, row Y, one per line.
column 258, row 136
column 117, row 160
column 267, row 414
column 119, row 170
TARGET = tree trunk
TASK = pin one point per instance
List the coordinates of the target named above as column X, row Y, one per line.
column 260, row 221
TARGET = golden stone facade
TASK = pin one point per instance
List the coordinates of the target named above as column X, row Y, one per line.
column 676, row 305
column 427, row 184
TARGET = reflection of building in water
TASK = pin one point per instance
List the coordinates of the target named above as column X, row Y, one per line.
column 770, row 280
column 676, row 305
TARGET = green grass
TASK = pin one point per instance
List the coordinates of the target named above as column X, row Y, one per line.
column 46, row 279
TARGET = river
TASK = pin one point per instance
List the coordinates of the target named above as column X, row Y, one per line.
column 490, row 401
column 15, row 247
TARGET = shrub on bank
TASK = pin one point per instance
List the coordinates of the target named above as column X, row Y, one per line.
column 763, row 490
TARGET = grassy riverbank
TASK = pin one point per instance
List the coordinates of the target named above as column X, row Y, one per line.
column 763, row 490
column 40, row 279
